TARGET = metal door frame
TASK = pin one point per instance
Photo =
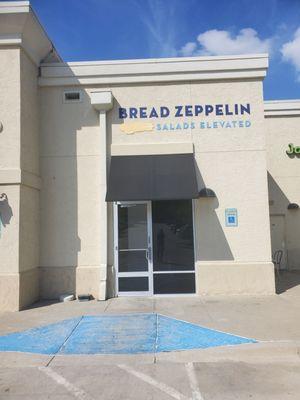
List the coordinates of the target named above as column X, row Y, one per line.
column 148, row 273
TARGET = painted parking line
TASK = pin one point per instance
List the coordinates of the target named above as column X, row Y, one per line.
column 70, row 387
column 170, row 391
column 196, row 394
column 161, row 386
column 153, row 382
column 117, row 334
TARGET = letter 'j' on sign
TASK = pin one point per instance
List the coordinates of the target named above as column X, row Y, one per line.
column 231, row 217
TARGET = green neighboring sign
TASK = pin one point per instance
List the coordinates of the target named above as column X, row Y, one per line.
column 293, row 150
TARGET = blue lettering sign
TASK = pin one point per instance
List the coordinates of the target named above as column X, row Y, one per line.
column 181, row 111
column 122, row 113
column 164, row 112
column 178, row 111
column 153, row 113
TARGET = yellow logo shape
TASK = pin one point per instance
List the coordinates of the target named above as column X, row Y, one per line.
column 132, row 127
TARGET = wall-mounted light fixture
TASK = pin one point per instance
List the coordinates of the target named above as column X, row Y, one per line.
column 293, row 206
column 206, row 192
column 1, row 127
column 3, row 197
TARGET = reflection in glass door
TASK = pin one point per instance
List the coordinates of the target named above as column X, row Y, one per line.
column 133, row 249
column 173, row 247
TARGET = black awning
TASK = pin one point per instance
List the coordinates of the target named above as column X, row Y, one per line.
column 152, row 177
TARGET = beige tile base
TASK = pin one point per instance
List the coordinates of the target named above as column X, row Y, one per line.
column 225, row 278
column 29, row 287
column 9, row 292
column 71, row 280
column 92, row 280
column 222, row 278
column 55, row 281
column 18, row 290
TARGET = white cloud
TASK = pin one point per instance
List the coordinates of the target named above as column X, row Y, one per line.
column 188, row 49
column 291, row 51
column 217, row 42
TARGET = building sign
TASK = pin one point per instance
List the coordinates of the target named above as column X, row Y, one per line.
column 293, row 150
column 231, row 217
column 195, row 116
column 184, row 111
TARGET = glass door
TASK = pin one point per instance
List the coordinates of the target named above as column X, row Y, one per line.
column 133, row 248
column 173, row 247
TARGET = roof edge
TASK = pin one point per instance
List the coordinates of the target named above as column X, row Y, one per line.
column 160, row 60
column 248, row 66
column 20, row 26
column 275, row 108
column 7, row 7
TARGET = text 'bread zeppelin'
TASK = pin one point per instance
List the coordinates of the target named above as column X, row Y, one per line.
column 184, row 111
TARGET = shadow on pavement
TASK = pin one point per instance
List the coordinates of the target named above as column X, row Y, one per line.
column 287, row 280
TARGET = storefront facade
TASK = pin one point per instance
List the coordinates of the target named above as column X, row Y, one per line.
column 141, row 177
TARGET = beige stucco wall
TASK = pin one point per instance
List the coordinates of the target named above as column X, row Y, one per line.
column 9, row 167
column 60, row 231
column 70, row 214
column 29, row 198
column 19, row 152
column 29, row 115
column 230, row 161
column 10, row 108
column 284, row 180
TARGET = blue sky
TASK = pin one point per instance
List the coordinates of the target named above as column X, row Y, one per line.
column 124, row 29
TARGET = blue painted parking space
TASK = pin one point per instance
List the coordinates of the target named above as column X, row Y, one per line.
column 180, row 335
column 43, row 340
column 117, row 334
column 113, row 334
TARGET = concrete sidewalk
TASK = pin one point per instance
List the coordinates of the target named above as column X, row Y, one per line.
column 264, row 318
column 269, row 369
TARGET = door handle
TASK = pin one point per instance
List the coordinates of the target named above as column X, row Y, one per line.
column 148, row 254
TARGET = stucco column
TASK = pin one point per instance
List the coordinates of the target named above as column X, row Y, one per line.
column 102, row 102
